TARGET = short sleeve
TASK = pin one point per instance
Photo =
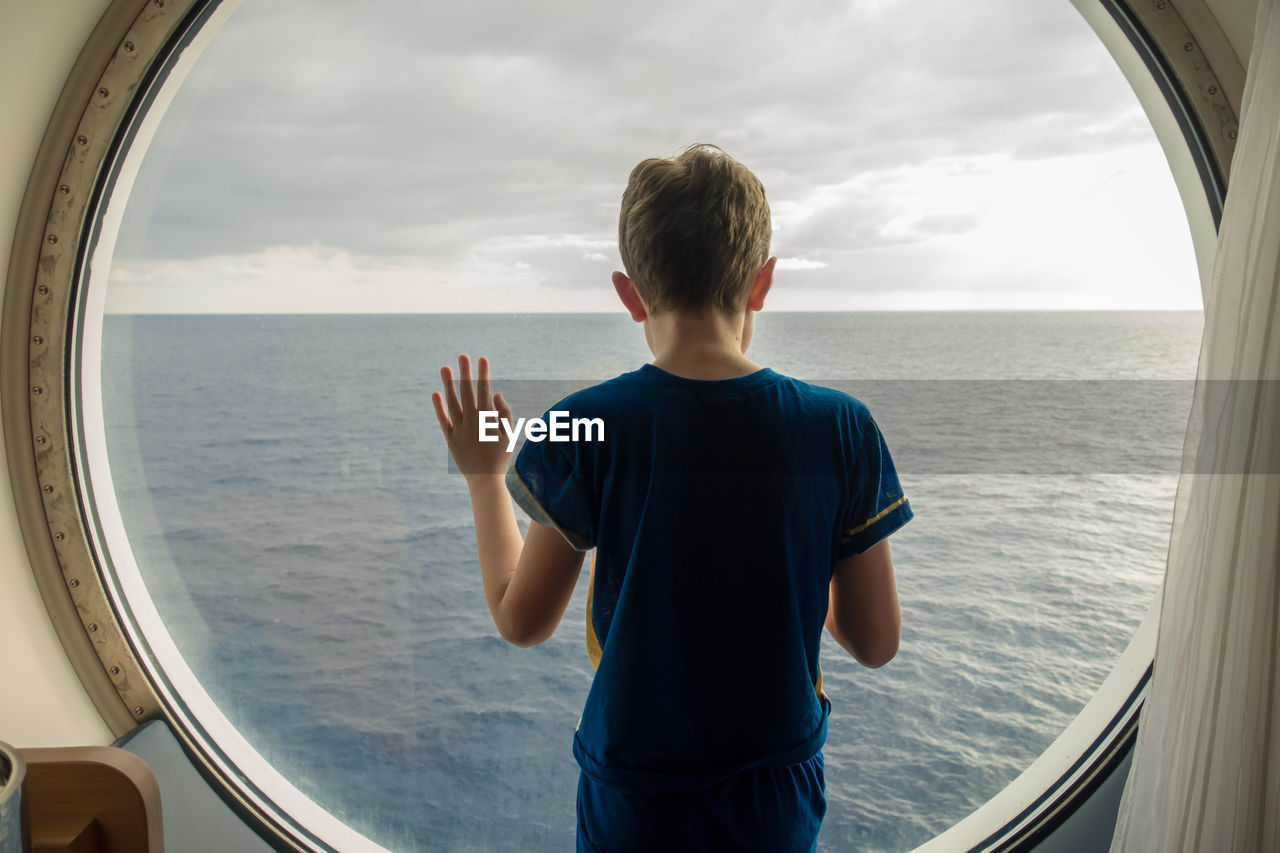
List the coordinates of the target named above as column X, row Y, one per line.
column 547, row 481
column 876, row 505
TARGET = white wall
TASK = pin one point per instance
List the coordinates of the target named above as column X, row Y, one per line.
column 41, row 701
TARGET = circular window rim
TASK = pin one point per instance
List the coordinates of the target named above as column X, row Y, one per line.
column 140, row 45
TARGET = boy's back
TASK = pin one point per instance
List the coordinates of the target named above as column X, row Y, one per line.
column 717, row 509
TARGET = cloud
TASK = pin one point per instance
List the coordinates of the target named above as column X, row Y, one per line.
column 499, row 134
column 327, row 279
column 791, row 264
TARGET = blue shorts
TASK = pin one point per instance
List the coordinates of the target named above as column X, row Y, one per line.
column 768, row 809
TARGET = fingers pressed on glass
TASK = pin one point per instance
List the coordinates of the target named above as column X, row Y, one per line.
column 482, row 383
column 451, row 394
column 464, row 380
column 437, row 403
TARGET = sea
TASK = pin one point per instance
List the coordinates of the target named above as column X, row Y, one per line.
column 292, row 509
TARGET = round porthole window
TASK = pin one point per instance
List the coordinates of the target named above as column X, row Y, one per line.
column 300, row 210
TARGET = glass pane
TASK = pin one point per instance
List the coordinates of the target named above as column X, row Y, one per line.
column 343, row 196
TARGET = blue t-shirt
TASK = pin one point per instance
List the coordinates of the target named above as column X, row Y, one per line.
column 717, row 509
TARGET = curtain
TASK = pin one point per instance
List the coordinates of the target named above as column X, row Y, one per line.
column 1206, row 774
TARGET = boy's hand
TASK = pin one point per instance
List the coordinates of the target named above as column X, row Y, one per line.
column 461, row 425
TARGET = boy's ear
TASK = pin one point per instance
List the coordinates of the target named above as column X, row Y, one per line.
column 627, row 293
column 760, row 287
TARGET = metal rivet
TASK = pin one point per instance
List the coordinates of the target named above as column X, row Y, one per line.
column 82, row 139
column 73, row 583
column 64, row 189
column 41, row 440
column 43, row 289
column 1160, row 4
column 1213, row 90
column 48, row 490
column 52, row 238
column 1231, row 134
column 137, row 712
column 115, row 670
column 102, row 92
column 159, row 4
column 37, row 390
column 1189, row 46
column 59, row 536
column 128, row 47
column 37, row 340
column 93, row 627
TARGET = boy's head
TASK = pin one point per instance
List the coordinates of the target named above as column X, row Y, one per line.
column 694, row 230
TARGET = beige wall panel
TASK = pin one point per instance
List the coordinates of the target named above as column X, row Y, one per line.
column 42, row 702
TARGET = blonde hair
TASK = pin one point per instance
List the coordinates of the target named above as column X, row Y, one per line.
column 693, row 230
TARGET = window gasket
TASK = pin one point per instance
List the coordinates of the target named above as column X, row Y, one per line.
column 1179, row 67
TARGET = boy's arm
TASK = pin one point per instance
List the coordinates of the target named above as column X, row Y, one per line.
column 527, row 583
column 863, row 613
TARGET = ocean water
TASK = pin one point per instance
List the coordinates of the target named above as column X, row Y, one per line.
column 293, row 512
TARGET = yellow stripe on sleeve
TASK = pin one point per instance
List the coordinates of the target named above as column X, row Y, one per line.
column 852, row 531
column 594, row 652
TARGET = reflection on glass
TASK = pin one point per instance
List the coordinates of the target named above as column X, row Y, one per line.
column 338, row 194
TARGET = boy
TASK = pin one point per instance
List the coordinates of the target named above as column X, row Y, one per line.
column 734, row 512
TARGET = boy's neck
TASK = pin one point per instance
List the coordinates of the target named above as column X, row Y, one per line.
column 707, row 345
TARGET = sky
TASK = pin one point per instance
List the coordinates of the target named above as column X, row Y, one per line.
column 393, row 156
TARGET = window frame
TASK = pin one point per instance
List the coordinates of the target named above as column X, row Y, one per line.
column 112, row 100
